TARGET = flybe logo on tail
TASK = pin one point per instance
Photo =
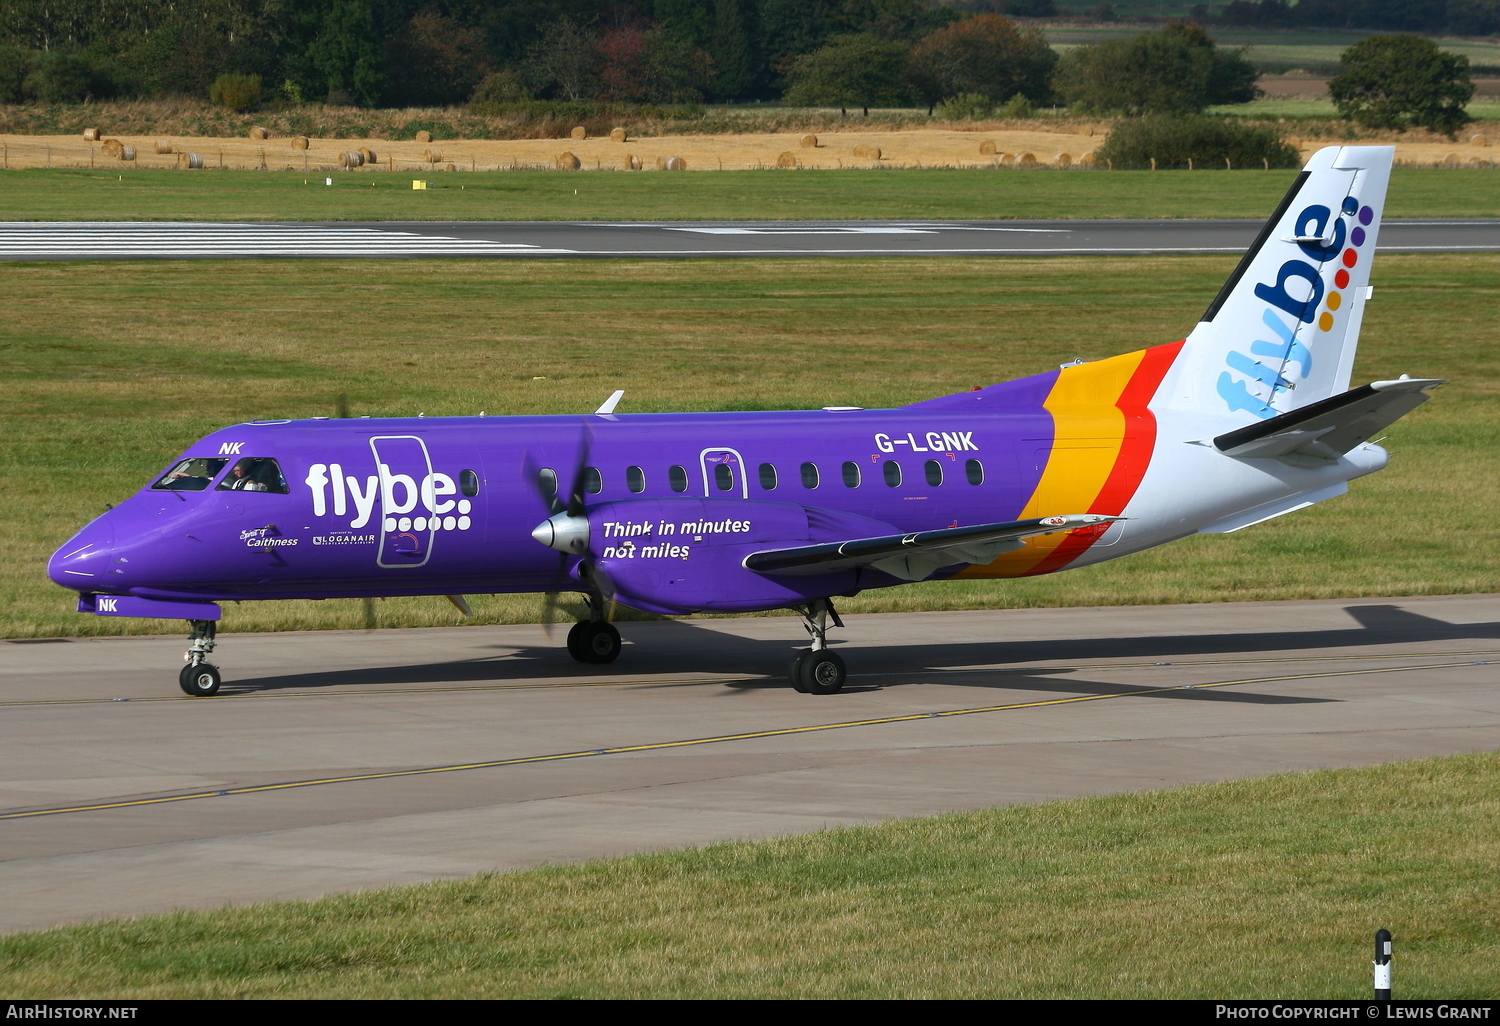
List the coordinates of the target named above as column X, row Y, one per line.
column 1299, row 296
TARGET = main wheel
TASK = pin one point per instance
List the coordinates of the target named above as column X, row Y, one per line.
column 594, row 642
column 200, row 681
column 799, row 682
column 823, row 673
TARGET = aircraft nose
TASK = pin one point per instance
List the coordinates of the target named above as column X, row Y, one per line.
column 81, row 563
column 564, row 533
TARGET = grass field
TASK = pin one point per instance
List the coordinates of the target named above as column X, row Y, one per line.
column 1486, row 109
column 141, row 195
column 111, row 370
column 1268, row 888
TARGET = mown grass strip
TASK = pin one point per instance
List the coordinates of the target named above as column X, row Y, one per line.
column 156, row 195
column 1266, row 888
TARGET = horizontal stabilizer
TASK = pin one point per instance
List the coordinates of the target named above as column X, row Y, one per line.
column 914, row 557
column 1325, row 430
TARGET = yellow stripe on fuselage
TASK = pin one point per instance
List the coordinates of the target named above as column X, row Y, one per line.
column 1087, row 431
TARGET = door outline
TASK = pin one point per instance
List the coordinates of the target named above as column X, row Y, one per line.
column 380, row 482
column 708, row 484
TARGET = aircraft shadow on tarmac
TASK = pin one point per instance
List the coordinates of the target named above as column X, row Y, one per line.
column 671, row 646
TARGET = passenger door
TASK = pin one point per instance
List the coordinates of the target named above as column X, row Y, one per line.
column 723, row 474
column 406, row 529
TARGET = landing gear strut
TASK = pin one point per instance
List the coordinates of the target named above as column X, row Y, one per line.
column 816, row 670
column 594, row 640
column 200, row 678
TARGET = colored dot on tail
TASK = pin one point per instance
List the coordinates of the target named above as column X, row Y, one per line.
column 1366, row 215
column 1341, row 279
column 1350, row 258
column 1335, row 300
column 1350, row 205
column 1357, row 236
column 1326, row 321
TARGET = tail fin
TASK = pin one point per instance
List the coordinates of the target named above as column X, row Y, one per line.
column 1282, row 332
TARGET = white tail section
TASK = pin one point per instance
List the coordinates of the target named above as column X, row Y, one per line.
column 1282, row 332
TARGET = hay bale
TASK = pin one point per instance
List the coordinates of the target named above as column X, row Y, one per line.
column 671, row 164
column 432, row 156
column 189, row 161
column 162, row 146
column 91, row 134
column 127, row 152
column 368, row 154
column 351, row 159
column 112, row 147
column 1063, row 160
column 566, row 161
column 259, row 133
column 808, row 141
column 450, row 167
column 787, row 159
column 1026, row 160
column 617, row 135
column 631, row 162
column 868, row 152
column 299, row 142
column 987, row 148
column 1087, row 160
column 579, row 132
column 424, row 137
column 1007, row 160
column 1479, row 140
column 1452, row 160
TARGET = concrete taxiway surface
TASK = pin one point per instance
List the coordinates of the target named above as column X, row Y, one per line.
column 540, row 239
column 338, row 761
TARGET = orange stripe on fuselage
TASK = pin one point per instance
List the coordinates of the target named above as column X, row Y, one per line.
column 1103, row 437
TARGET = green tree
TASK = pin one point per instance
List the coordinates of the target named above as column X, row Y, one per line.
column 1178, row 70
column 347, row 52
column 563, row 62
column 730, row 47
column 1400, row 80
column 984, row 56
column 434, row 60
column 236, row 91
column 851, row 71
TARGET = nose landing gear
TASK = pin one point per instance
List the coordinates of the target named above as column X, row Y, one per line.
column 200, row 678
column 816, row 670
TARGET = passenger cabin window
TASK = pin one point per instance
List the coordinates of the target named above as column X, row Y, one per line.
column 593, row 481
column 468, row 482
column 974, row 471
column 635, row 479
column 191, row 475
column 809, row 475
column 892, row 471
column 934, row 471
column 254, row 474
column 677, row 478
column 851, row 475
column 768, row 477
column 723, row 477
column 546, row 478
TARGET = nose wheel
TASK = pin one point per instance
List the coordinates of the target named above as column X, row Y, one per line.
column 200, row 678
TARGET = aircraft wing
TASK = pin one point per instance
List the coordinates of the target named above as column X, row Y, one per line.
column 913, row 557
column 1325, row 430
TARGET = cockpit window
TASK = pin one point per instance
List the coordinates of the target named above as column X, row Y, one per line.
column 191, row 475
column 254, row 474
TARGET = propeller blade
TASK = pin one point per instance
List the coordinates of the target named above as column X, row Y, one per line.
column 343, row 406
column 369, row 613
column 575, row 505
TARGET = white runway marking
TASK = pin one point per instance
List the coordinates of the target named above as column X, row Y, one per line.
column 145, row 239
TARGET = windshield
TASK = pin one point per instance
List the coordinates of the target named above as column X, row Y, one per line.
column 191, row 475
column 254, row 474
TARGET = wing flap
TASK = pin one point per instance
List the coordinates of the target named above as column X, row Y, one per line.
column 914, row 557
column 1325, row 430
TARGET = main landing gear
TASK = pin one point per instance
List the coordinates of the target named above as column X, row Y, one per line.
column 200, row 678
column 816, row 670
column 594, row 640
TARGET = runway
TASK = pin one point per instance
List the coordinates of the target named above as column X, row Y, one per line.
column 335, row 761
column 549, row 239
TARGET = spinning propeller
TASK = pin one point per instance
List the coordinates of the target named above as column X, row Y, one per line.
column 342, row 408
column 567, row 529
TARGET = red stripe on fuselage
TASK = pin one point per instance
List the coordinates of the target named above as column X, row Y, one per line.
column 1133, row 459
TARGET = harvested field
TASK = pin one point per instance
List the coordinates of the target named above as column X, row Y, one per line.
column 886, row 149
